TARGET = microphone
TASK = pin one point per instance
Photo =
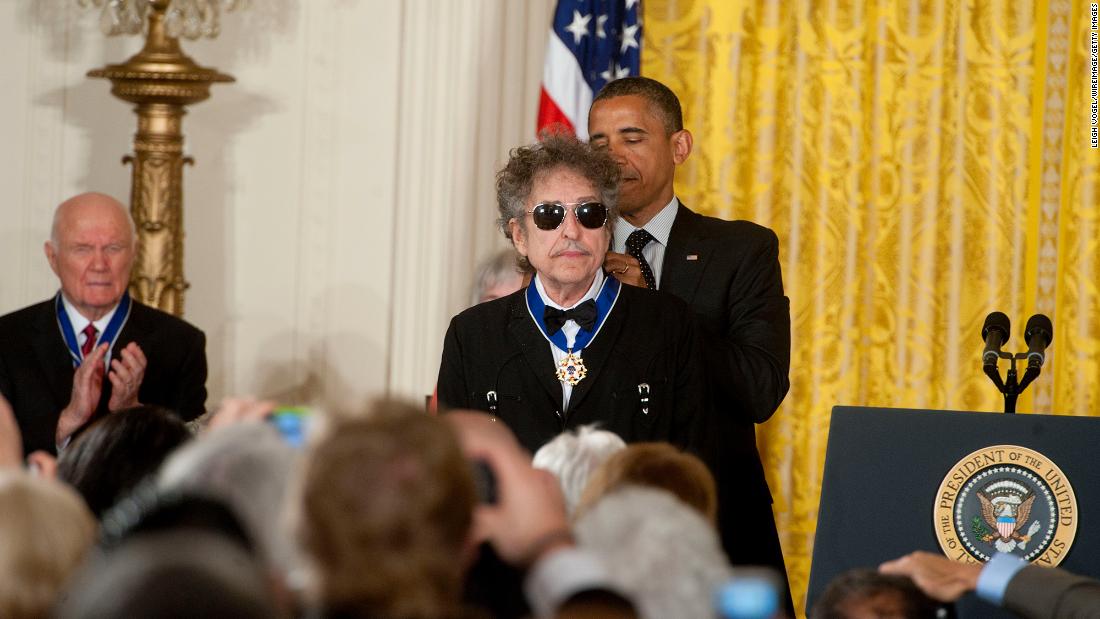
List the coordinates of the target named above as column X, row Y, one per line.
column 995, row 333
column 1038, row 333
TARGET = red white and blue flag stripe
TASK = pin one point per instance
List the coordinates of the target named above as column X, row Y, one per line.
column 592, row 42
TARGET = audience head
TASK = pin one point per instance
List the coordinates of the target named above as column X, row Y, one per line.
column 91, row 250
column 660, row 551
column 248, row 466
column 116, row 452
column 147, row 510
column 658, row 465
column 498, row 276
column 386, row 509
column 867, row 594
column 45, row 533
column 172, row 574
column 573, row 456
column 562, row 170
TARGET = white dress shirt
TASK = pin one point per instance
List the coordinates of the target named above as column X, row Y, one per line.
column 79, row 323
column 569, row 329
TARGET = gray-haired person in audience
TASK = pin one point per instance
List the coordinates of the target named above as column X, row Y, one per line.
column 573, row 456
column 661, row 551
column 499, row 276
column 249, row 466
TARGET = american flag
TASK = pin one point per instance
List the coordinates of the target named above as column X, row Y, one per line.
column 592, row 42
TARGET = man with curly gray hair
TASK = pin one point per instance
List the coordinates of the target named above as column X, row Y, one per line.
column 574, row 347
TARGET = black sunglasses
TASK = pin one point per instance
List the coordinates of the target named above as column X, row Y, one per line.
column 549, row 215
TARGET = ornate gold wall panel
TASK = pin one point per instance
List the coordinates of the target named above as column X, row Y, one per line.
column 156, row 202
column 923, row 164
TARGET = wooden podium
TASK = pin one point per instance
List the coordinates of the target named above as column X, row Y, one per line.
column 899, row 480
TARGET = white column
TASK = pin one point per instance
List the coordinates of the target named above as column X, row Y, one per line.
column 470, row 79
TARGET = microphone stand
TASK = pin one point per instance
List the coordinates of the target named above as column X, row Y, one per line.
column 1011, row 388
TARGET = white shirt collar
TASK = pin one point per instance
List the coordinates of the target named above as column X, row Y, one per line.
column 660, row 226
column 78, row 320
column 593, row 290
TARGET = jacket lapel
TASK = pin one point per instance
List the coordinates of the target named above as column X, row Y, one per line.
column 686, row 256
column 536, row 350
column 52, row 354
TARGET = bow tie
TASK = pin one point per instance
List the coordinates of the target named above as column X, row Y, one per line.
column 584, row 315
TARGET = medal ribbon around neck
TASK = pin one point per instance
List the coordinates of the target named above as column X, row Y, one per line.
column 605, row 300
column 122, row 314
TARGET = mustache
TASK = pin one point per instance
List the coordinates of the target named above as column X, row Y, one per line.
column 571, row 246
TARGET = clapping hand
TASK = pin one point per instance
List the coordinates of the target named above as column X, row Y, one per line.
column 126, row 375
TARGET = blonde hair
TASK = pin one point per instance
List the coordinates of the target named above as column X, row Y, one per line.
column 655, row 465
column 45, row 532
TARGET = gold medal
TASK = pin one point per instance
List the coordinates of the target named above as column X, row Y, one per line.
column 571, row 369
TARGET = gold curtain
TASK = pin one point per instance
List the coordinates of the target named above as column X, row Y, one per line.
column 923, row 163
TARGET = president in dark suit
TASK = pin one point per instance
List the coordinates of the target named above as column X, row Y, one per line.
column 575, row 346
column 92, row 349
column 728, row 272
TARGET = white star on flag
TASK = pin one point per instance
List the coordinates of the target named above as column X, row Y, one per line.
column 615, row 72
column 579, row 27
column 591, row 43
column 630, row 38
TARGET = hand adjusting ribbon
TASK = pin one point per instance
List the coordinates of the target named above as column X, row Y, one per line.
column 584, row 315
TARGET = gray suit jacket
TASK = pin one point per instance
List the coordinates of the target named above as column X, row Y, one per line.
column 1045, row 593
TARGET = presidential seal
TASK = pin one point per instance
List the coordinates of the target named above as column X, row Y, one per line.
column 1006, row 498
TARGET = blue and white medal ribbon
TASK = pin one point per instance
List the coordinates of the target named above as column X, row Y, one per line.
column 571, row 370
column 114, row 327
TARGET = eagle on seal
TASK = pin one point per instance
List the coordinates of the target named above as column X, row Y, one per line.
column 1006, row 516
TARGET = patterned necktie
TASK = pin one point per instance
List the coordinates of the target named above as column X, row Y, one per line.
column 634, row 244
column 89, row 339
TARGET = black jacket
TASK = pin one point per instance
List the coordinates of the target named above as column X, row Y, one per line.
column 729, row 273
column 495, row 350
column 36, row 373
